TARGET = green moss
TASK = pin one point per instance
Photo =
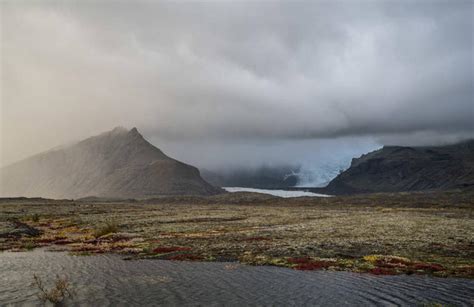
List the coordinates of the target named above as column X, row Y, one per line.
column 364, row 266
column 108, row 227
column 29, row 245
column 346, row 263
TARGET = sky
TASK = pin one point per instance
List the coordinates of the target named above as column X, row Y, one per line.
column 239, row 83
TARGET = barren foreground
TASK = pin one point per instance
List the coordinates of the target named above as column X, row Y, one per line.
column 422, row 233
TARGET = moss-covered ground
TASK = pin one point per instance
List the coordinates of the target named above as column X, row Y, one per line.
column 403, row 233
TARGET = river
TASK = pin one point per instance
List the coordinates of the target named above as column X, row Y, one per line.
column 107, row 280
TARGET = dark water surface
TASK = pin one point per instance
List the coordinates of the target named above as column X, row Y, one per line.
column 107, row 280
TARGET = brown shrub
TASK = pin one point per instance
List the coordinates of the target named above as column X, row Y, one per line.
column 55, row 295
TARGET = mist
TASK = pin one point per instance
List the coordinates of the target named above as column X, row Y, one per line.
column 232, row 85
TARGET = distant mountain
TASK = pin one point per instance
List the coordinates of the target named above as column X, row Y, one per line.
column 118, row 163
column 262, row 177
column 397, row 168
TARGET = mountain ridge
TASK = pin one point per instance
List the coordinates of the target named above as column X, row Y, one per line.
column 116, row 163
column 403, row 168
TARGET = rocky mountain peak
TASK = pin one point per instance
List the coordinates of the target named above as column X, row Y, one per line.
column 117, row 163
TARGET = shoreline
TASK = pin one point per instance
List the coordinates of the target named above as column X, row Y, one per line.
column 107, row 280
column 261, row 261
column 374, row 265
column 380, row 234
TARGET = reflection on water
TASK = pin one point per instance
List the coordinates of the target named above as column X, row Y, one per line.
column 108, row 280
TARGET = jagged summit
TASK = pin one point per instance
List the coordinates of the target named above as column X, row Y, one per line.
column 117, row 163
column 118, row 131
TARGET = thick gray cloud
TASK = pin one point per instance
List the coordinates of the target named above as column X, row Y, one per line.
column 229, row 74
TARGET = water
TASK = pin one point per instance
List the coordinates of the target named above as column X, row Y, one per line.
column 107, row 280
column 279, row 193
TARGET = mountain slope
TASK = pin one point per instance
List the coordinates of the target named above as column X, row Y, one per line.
column 397, row 168
column 118, row 163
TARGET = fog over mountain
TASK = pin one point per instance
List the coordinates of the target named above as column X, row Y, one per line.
column 117, row 163
column 227, row 85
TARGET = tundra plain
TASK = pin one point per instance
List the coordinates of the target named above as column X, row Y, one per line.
column 383, row 234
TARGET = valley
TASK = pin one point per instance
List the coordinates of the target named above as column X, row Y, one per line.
column 381, row 234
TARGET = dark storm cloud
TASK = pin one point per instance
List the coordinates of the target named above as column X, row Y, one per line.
column 393, row 71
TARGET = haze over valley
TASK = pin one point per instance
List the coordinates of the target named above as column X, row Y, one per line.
column 247, row 153
column 236, row 86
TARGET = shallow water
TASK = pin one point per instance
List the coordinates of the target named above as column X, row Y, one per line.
column 107, row 280
column 279, row 193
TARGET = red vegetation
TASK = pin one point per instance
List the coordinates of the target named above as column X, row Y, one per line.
column 307, row 264
column 170, row 249
column 314, row 265
column 398, row 261
column 382, row 271
column 466, row 271
column 45, row 240
column 63, row 242
column 185, row 257
column 392, row 263
column 433, row 267
column 298, row 260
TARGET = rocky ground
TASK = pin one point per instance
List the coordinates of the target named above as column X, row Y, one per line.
column 403, row 233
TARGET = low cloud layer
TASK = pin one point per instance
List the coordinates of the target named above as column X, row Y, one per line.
column 223, row 74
